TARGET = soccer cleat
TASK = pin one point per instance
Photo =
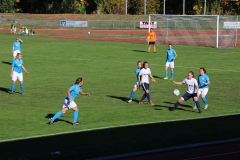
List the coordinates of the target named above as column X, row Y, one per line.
column 165, row 78
column 206, row 106
column 129, row 101
column 171, row 109
column 76, row 123
column 199, row 111
column 11, row 92
column 171, row 79
column 22, row 93
column 140, row 102
column 151, row 103
column 194, row 107
column 50, row 121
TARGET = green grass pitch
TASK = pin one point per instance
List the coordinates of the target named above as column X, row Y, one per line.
column 107, row 69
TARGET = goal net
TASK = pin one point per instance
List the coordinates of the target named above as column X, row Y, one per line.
column 208, row 30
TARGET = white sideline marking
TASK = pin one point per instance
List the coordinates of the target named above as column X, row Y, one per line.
column 101, row 128
column 214, row 155
column 97, row 60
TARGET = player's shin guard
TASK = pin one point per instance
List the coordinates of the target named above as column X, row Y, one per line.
column 132, row 95
column 172, row 74
column 166, row 73
column 12, row 88
column 205, row 101
column 143, row 97
column 75, row 116
column 22, row 88
column 176, row 105
column 57, row 115
column 148, row 97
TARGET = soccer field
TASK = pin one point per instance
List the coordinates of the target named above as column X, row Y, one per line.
column 107, row 69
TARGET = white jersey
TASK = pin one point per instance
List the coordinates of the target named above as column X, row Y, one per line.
column 145, row 73
column 191, row 85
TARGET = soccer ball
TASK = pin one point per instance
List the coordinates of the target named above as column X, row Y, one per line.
column 176, row 92
column 88, row 32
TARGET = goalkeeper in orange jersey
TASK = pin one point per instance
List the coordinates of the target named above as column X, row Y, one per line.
column 151, row 39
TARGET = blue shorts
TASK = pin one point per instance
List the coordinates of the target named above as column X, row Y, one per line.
column 145, row 86
column 187, row 96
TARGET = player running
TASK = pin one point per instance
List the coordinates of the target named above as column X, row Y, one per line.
column 16, row 73
column 171, row 55
column 192, row 90
column 16, row 47
column 203, row 82
column 151, row 38
column 143, row 78
column 69, row 103
column 136, row 86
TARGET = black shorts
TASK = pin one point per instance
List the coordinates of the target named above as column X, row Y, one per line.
column 151, row 43
column 187, row 96
column 145, row 86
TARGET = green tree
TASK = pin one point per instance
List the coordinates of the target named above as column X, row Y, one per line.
column 7, row 6
column 114, row 6
column 99, row 4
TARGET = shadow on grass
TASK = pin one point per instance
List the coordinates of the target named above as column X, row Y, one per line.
column 125, row 139
column 184, row 105
column 4, row 62
column 125, row 99
column 2, row 89
column 50, row 115
column 157, row 77
column 135, row 50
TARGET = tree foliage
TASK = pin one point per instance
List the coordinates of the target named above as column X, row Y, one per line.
column 7, row 6
column 118, row 6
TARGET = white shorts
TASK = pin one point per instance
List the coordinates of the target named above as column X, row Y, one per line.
column 170, row 64
column 16, row 76
column 203, row 91
column 68, row 104
column 136, row 85
column 16, row 52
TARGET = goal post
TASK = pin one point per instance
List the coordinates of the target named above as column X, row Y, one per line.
column 203, row 30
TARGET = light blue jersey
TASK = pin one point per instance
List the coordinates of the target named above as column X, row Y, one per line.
column 74, row 91
column 137, row 72
column 170, row 55
column 17, row 65
column 17, row 46
column 202, row 80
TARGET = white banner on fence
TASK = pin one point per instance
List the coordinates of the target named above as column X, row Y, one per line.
column 144, row 24
column 230, row 25
column 73, row 23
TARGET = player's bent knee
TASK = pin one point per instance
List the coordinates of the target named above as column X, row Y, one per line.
column 75, row 108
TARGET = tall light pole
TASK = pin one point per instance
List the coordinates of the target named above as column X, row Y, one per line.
column 145, row 7
column 183, row 7
column 205, row 7
column 164, row 7
column 126, row 5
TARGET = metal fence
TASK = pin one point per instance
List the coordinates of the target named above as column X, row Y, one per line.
column 45, row 23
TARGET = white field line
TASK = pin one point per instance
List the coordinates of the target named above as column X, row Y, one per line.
column 214, row 155
column 98, row 60
column 109, row 127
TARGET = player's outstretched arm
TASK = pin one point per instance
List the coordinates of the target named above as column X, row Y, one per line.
column 85, row 94
column 153, row 80
column 178, row 83
column 11, row 72
column 25, row 69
